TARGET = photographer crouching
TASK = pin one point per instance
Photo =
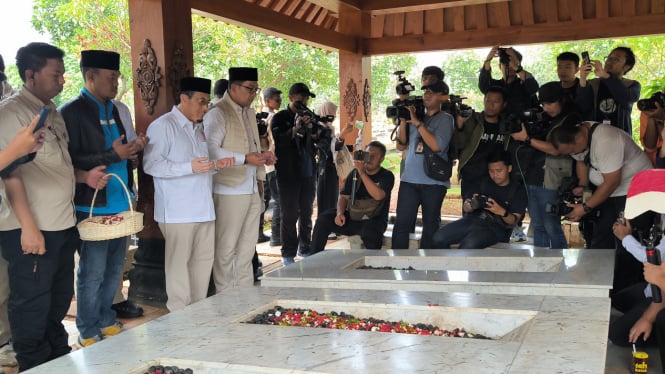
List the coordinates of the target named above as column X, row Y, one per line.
column 362, row 207
column 432, row 132
column 492, row 211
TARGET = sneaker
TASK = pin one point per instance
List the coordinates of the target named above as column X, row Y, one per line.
column 89, row 341
column 288, row 261
column 112, row 330
column 126, row 309
column 263, row 238
column 7, row 356
column 518, row 235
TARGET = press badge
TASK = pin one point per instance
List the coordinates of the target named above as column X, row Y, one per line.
column 419, row 146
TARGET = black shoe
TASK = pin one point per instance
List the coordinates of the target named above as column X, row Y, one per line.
column 275, row 242
column 258, row 273
column 126, row 309
column 263, row 238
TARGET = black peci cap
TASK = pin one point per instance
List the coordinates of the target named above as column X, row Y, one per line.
column 195, row 84
column 100, row 60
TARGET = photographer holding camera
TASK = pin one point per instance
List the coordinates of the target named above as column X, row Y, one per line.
column 496, row 205
column 362, row 207
column 520, row 85
column 545, row 168
column 609, row 158
column 654, row 110
column 295, row 137
column 416, row 189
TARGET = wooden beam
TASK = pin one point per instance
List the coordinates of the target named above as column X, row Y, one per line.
column 500, row 15
column 334, row 5
column 576, row 10
column 433, row 21
column 527, row 12
column 402, row 6
column 269, row 22
column 541, row 33
column 602, row 9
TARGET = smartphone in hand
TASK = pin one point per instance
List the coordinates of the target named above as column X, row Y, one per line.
column 585, row 58
column 43, row 114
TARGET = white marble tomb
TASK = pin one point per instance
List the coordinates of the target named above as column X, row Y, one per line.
column 533, row 334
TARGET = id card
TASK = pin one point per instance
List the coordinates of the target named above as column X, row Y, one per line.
column 419, row 147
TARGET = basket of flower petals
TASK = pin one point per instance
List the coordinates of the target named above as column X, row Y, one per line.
column 106, row 227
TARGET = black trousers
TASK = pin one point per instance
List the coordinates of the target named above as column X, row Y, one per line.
column 41, row 290
column 276, row 210
column 370, row 231
column 627, row 270
column 296, row 201
column 327, row 188
column 632, row 302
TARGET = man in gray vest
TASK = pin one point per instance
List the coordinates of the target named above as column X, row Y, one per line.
column 231, row 131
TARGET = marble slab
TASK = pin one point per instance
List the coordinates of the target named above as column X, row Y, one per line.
column 562, row 334
column 497, row 270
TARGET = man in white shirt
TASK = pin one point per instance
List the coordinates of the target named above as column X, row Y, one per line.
column 177, row 158
column 231, row 131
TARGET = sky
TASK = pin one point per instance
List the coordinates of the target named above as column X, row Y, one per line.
column 16, row 29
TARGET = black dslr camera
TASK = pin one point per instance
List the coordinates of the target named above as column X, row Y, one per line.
column 455, row 107
column 650, row 103
column 504, row 57
column 479, row 202
column 361, row 156
column 512, row 123
column 564, row 197
column 398, row 108
column 316, row 121
column 261, row 122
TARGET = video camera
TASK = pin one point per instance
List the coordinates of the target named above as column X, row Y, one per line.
column 455, row 107
column 512, row 123
column 261, row 122
column 398, row 108
column 650, row 103
column 316, row 120
column 360, row 155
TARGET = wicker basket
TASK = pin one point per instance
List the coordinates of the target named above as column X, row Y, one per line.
column 129, row 222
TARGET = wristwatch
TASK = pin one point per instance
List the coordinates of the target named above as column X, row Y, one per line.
column 587, row 209
column 505, row 214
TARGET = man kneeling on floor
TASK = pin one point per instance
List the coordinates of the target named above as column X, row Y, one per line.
column 491, row 212
column 368, row 215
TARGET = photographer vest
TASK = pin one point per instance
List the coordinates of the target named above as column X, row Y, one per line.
column 236, row 140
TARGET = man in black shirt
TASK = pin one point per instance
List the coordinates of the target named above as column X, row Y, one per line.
column 295, row 149
column 491, row 213
column 373, row 186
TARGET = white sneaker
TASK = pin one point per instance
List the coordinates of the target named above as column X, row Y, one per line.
column 7, row 356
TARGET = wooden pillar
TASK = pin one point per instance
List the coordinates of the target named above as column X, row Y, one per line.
column 161, row 44
column 355, row 75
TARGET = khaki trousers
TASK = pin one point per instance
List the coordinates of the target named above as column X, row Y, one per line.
column 235, row 239
column 188, row 258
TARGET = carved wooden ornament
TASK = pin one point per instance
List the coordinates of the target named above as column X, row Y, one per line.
column 148, row 77
column 351, row 99
column 178, row 70
column 367, row 100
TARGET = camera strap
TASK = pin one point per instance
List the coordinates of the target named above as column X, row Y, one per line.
column 587, row 158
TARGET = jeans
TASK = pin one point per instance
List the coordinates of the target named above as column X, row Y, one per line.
column 409, row 197
column 547, row 231
column 100, row 267
column 470, row 232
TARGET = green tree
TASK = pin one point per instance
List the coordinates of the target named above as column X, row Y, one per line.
column 384, row 81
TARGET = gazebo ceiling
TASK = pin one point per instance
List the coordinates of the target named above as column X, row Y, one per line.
column 371, row 27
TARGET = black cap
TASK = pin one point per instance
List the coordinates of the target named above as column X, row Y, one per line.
column 270, row 92
column 550, row 92
column 300, row 89
column 438, row 86
column 100, row 59
column 195, row 84
column 243, row 74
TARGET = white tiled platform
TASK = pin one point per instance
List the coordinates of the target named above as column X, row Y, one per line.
column 503, row 269
column 563, row 334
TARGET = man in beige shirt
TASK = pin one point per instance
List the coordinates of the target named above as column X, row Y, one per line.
column 39, row 237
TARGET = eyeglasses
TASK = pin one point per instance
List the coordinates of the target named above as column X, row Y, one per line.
column 254, row 90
